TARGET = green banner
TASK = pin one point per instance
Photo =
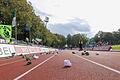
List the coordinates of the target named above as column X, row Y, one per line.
column 6, row 31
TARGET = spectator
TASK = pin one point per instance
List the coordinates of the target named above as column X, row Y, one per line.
column 80, row 46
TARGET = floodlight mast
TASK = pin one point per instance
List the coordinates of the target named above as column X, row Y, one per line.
column 46, row 21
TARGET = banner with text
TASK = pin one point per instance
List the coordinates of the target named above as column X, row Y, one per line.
column 6, row 50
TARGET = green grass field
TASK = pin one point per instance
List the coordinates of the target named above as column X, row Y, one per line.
column 116, row 47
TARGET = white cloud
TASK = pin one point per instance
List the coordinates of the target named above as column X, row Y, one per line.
column 99, row 14
column 72, row 27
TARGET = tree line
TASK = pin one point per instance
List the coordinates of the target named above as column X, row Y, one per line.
column 106, row 38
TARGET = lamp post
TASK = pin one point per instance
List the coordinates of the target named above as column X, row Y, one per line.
column 46, row 21
column 30, row 34
column 27, row 32
column 14, row 23
column 1, row 17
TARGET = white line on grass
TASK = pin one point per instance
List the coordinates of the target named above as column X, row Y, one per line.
column 11, row 62
column 114, row 70
column 17, row 78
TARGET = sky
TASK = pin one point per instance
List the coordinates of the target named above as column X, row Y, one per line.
column 79, row 16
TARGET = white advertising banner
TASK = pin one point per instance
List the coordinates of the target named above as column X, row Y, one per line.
column 21, row 49
column 34, row 49
column 6, row 50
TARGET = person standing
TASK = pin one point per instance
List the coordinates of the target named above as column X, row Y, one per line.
column 80, row 45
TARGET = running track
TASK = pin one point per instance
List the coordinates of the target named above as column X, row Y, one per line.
column 105, row 66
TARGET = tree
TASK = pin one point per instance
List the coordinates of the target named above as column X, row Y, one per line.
column 108, row 38
column 75, row 39
column 69, row 40
column 116, row 35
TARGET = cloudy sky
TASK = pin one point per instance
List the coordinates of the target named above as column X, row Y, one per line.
column 79, row 16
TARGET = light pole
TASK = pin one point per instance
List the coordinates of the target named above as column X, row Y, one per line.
column 28, row 31
column 14, row 23
column 1, row 17
column 46, row 21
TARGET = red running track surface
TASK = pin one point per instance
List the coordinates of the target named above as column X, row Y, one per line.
column 53, row 69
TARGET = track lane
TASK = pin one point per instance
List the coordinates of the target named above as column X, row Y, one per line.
column 107, row 58
column 12, row 59
column 33, row 68
column 11, row 71
column 81, row 70
column 7, row 60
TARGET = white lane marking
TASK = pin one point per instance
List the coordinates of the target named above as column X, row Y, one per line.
column 114, row 70
column 11, row 62
column 17, row 78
